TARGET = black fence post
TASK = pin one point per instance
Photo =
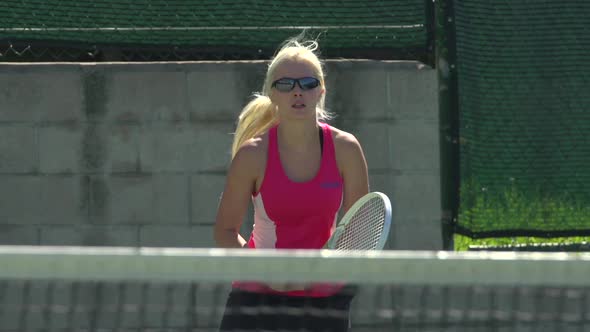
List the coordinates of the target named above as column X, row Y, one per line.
column 446, row 66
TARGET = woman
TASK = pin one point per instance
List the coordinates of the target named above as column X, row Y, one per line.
column 299, row 172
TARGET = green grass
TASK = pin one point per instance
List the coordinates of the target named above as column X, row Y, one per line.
column 484, row 209
column 462, row 243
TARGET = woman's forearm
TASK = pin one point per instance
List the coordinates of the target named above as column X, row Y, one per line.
column 225, row 238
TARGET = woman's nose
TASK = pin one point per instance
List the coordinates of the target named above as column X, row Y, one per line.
column 297, row 89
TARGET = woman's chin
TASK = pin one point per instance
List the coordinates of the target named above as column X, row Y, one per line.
column 294, row 113
column 301, row 112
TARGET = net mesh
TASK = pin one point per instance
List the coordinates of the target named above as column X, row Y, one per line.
column 365, row 228
column 523, row 94
column 210, row 28
column 126, row 289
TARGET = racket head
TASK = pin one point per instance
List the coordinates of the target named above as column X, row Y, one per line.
column 365, row 226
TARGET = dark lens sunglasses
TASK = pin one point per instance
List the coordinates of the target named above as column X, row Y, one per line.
column 288, row 84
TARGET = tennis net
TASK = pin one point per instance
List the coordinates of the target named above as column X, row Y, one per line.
column 170, row 289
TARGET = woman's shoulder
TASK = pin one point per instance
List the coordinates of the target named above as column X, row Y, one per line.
column 344, row 140
column 350, row 157
column 253, row 150
column 347, row 148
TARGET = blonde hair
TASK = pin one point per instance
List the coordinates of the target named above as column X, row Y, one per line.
column 260, row 113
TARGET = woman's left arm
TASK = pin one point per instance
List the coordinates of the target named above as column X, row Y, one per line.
column 353, row 167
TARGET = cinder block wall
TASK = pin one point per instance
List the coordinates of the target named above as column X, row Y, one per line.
column 135, row 154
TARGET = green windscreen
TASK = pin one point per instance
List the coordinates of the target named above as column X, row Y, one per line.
column 219, row 27
column 524, row 103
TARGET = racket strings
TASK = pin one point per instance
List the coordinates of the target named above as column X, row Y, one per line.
column 365, row 228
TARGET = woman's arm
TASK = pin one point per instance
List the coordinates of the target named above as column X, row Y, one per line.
column 236, row 196
column 353, row 167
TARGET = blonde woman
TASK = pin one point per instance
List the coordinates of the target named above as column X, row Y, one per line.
column 298, row 172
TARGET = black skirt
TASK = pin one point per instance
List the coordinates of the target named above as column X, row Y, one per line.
column 249, row 311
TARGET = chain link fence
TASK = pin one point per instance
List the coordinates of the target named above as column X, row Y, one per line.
column 524, row 117
column 180, row 30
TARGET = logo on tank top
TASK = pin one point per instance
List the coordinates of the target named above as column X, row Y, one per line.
column 330, row 185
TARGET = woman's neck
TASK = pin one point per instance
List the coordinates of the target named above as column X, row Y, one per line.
column 298, row 136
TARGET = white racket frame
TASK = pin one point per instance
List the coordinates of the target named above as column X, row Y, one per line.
column 333, row 241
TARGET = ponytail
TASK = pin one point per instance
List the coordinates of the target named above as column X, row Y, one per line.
column 256, row 117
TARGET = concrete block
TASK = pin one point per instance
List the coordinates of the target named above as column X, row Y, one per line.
column 20, row 197
column 167, row 148
column 94, row 148
column 62, row 200
column 416, row 196
column 60, row 148
column 375, row 141
column 186, row 147
column 149, row 144
column 413, row 145
column 86, row 235
column 416, row 234
column 132, row 199
column 124, row 149
column 140, row 199
column 240, row 80
column 128, row 148
column 382, row 181
column 415, row 93
column 18, row 149
column 146, row 93
column 214, row 142
column 172, row 199
column 98, row 198
column 381, row 89
column 19, row 235
column 410, row 145
column 177, row 236
column 31, row 93
column 95, row 96
column 206, row 191
column 359, row 92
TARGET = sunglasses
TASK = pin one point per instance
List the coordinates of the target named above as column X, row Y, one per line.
column 287, row 84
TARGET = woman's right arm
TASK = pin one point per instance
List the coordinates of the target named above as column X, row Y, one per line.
column 236, row 196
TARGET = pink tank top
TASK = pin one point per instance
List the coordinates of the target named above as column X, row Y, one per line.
column 296, row 215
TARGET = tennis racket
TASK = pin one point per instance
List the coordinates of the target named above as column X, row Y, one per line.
column 365, row 226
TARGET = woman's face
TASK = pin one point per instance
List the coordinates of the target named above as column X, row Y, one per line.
column 296, row 89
